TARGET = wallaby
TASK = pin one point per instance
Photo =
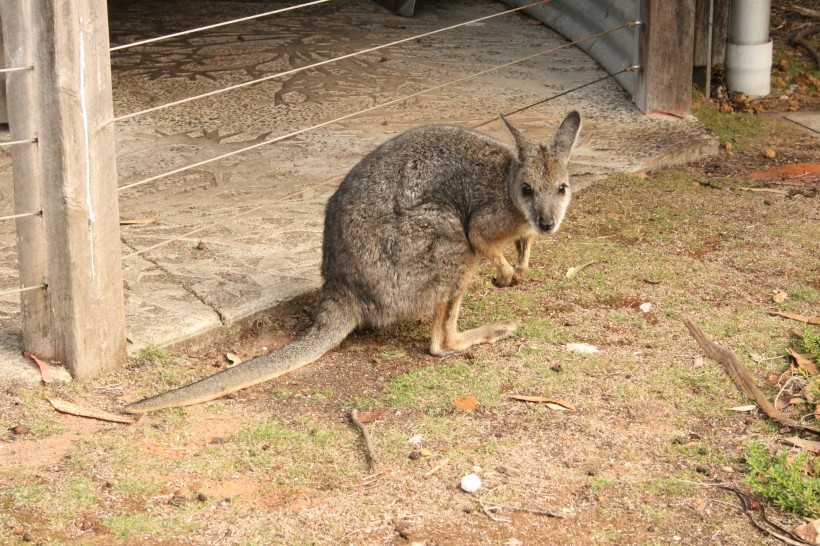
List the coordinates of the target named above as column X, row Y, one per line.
column 402, row 237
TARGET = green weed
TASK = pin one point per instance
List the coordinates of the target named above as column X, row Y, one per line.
column 153, row 354
column 811, row 342
column 736, row 127
column 792, row 484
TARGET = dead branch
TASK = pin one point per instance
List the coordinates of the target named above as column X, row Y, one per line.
column 779, row 533
column 494, row 505
column 371, row 455
column 487, row 511
column 808, row 12
column 801, row 40
column 740, row 377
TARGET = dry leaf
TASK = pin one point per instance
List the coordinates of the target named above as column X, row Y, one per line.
column 82, row 411
column 45, row 371
column 750, row 407
column 137, row 221
column 801, row 318
column 771, row 154
column 764, row 190
column 370, row 416
column 550, row 402
column 779, row 296
column 465, row 403
column 809, row 531
column 808, row 445
column 126, row 397
column 804, row 362
column 581, row 348
column 782, row 402
column 572, row 271
column 233, row 359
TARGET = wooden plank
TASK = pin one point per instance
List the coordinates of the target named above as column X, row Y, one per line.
column 720, row 31
column 666, row 52
column 73, row 166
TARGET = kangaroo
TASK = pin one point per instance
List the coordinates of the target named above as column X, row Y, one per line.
column 403, row 234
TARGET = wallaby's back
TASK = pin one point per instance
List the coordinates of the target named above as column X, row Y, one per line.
column 396, row 231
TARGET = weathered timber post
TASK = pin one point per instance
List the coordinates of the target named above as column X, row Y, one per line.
column 666, row 51
column 70, row 174
column 4, row 116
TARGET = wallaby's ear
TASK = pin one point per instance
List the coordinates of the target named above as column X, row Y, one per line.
column 565, row 137
column 520, row 139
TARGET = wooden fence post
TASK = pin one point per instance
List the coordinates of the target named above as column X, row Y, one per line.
column 70, row 174
column 666, row 49
column 4, row 116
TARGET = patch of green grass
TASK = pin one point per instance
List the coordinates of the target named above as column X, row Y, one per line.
column 153, row 354
column 141, row 525
column 669, row 486
column 393, row 354
column 281, row 393
column 790, row 483
column 433, row 389
column 735, row 127
column 135, row 485
column 600, row 483
column 300, row 454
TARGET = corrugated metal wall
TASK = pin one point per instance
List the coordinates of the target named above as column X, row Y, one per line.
column 577, row 19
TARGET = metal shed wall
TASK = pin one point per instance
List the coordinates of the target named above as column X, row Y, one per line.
column 576, row 19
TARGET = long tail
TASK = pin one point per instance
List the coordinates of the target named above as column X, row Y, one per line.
column 332, row 326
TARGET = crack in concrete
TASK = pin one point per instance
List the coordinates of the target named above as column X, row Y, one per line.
column 223, row 320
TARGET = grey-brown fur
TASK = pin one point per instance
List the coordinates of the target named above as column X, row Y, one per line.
column 403, row 234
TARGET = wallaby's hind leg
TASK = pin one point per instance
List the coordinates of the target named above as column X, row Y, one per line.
column 446, row 339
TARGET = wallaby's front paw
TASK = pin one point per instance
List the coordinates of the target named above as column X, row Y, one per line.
column 518, row 276
column 503, row 279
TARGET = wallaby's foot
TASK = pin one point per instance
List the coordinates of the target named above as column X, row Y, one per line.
column 457, row 342
column 506, row 276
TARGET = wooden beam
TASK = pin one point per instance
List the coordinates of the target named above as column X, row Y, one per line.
column 666, row 51
column 70, row 174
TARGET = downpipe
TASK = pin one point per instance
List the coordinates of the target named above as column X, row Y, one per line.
column 749, row 49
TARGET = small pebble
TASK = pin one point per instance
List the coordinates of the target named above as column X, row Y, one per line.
column 21, row 429
column 470, row 483
column 201, row 497
column 27, row 537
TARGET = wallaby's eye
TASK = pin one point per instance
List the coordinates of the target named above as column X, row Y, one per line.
column 562, row 189
column 526, row 190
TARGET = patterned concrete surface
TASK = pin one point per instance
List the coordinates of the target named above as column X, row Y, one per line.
column 235, row 267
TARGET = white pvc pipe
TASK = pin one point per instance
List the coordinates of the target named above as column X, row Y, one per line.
column 749, row 51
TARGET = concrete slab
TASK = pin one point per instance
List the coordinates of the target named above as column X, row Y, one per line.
column 221, row 269
column 809, row 121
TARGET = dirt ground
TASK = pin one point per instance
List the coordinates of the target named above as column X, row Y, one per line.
column 630, row 461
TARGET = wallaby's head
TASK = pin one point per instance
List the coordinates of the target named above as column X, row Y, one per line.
column 540, row 188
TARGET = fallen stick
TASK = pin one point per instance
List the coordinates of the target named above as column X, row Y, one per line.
column 492, row 505
column 802, row 40
column 783, row 535
column 740, row 377
column 371, row 455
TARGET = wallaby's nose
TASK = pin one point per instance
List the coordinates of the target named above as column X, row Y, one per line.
column 545, row 225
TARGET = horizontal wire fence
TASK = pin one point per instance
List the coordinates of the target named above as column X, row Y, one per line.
column 226, row 89
column 357, row 113
column 322, row 63
column 217, row 25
